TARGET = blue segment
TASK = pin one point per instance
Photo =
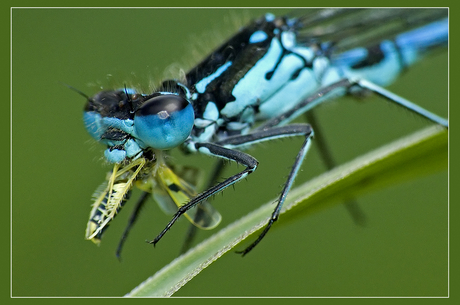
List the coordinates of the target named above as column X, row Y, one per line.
column 165, row 130
column 269, row 17
column 114, row 156
column 386, row 71
column 132, row 148
column 413, row 43
column 382, row 73
column 124, row 125
column 289, row 95
column 93, row 124
column 211, row 112
column 288, row 40
column 351, row 57
column 258, row 36
column 429, row 35
column 96, row 125
column 202, row 84
column 409, row 46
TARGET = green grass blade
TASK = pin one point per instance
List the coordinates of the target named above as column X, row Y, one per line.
column 419, row 154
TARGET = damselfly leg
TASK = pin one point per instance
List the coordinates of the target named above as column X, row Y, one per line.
column 353, row 208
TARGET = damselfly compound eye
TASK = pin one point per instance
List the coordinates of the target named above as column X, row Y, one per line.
column 164, row 122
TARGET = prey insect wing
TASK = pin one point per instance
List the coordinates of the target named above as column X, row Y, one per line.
column 179, row 192
column 110, row 198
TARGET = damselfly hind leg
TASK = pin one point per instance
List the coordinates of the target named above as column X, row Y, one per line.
column 353, row 208
column 192, row 229
column 310, row 103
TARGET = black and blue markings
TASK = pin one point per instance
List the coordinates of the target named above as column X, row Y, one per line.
column 245, row 92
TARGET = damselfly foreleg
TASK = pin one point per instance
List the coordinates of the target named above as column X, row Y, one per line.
column 220, row 152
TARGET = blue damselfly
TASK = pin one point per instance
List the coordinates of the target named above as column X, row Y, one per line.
column 245, row 92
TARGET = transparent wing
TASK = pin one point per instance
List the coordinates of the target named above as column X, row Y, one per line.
column 350, row 28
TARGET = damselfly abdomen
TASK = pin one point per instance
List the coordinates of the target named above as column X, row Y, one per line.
column 248, row 91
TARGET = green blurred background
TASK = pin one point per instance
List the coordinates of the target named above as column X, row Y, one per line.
column 402, row 250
